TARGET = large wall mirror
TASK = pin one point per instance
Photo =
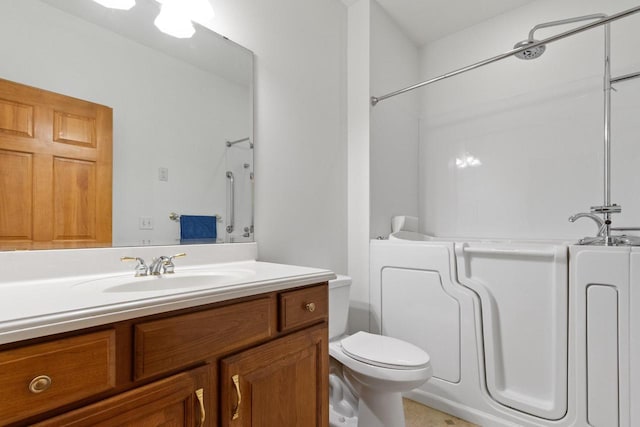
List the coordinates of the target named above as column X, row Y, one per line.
column 182, row 110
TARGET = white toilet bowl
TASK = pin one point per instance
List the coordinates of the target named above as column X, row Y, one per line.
column 375, row 368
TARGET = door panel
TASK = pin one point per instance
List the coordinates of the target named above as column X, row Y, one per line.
column 282, row 383
column 56, row 158
column 16, row 195
column 523, row 289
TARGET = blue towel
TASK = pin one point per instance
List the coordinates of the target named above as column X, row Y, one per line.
column 198, row 229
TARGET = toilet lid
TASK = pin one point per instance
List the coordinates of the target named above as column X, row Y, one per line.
column 387, row 352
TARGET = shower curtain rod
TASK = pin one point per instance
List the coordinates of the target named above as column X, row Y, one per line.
column 614, row 17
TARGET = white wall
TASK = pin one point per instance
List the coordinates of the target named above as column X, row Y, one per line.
column 359, row 53
column 300, row 125
column 394, row 124
column 383, row 141
column 536, row 127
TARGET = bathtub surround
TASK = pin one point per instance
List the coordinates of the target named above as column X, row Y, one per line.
column 536, row 126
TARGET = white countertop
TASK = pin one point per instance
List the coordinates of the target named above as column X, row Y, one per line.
column 35, row 308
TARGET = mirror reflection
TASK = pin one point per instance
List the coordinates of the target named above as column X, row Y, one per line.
column 182, row 118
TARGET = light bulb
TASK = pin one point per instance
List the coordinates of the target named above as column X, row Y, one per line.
column 174, row 21
column 197, row 10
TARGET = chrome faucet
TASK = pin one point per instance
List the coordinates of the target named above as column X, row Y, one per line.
column 601, row 223
column 159, row 266
column 164, row 264
column 141, row 268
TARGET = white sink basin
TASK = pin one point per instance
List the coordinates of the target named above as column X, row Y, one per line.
column 167, row 282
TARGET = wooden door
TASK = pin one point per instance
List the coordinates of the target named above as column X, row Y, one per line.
column 283, row 383
column 182, row 400
column 55, row 170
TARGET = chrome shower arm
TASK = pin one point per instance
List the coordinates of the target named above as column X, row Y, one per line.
column 566, row 21
column 376, row 99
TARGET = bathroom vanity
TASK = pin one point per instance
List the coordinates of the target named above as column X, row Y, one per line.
column 243, row 350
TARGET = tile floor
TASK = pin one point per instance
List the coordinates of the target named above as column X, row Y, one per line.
column 418, row 415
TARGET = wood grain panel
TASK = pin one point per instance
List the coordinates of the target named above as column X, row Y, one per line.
column 168, row 344
column 303, row 307
column 74, row 129
column 74, row 199
column 283, row 383
column 16, row 118
column 168, row 402
column 16, row 196
column 78, row 367
column 71, row 206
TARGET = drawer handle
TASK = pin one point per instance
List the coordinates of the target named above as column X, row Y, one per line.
column 39, row 384
column 311, row 307
column 236, row 410
column 203, row 414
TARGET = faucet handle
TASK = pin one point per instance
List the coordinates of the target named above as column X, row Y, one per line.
column 169, row 266
column 141, row 269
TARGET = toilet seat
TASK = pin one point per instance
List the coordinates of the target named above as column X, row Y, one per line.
column 383, row 351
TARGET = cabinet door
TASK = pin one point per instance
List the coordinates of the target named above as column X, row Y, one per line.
column 282, row 383
column 180, row 400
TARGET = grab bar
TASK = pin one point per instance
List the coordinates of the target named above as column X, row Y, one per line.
column 238, row 141
column 515, row 252
column 231, row 210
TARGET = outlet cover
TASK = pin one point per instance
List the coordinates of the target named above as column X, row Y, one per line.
column 163, row 174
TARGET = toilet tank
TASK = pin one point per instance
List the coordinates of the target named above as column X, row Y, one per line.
column 338, row 305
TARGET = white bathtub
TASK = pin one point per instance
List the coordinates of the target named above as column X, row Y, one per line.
column 494, row 317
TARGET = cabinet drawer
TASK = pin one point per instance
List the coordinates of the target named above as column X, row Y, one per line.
column 303, row 307
column 176, row 342
column 44, row 376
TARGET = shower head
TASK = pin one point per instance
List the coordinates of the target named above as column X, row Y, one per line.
column 532, row 53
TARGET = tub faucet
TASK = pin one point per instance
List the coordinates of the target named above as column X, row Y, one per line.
column 601, row 223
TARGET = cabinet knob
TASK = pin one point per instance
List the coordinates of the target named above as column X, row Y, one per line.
column 39, row 384
column 311, row 307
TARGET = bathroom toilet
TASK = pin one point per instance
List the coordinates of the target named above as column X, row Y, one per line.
column 368, row 372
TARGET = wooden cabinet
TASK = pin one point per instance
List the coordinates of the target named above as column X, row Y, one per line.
column 173, row 368
column 178, row 341
column 282, row 383
column 303, row 307
column 43, row 376
column 180, row 401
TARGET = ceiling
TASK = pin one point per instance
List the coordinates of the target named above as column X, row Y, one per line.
column 427, row 20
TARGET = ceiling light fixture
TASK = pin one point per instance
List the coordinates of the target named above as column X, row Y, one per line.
column 174, row 20
column 199, row 10
column 117, row 4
